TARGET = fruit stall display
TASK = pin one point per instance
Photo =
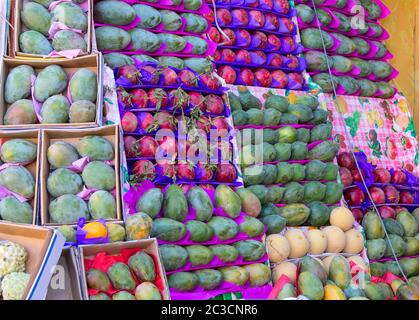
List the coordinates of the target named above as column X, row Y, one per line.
column 57, row 29
column 394, row 194
column 257, row 43
column 356, row 55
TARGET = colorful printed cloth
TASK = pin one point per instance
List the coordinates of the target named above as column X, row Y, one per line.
column 382, row 129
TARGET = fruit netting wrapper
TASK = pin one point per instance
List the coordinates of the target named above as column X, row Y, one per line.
column 134, row 194
column 174, row 5
column 279, row 7
column 102, row 261
column 81, row 235
column 5, row 192
column 147, row 75
column 257, row 61
column 199, row 293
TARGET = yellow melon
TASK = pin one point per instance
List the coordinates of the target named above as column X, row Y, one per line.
column 358, row 261
column 327, row 260
column 354, row 241
column 342, row 218
column 336, row 240
column 287, row 268
column 298, row 242
column 318, row 241
column 278, row 248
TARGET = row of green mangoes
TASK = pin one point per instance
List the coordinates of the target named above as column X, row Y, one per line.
column 286, row 134
column 223, row 228
column 38, row 20
column 245, row 101
column 285, row 172
column 48, row 89
column 410, row 267
column 257, row 275
column 271, row 153
column 199, row 65
column 175, row 257
column 402, row 235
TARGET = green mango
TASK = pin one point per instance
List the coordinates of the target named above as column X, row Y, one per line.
column 123, row 295
column 199, row 255
column 35, row 17
column 227, row 199
column 199, row 231
column 376, row 248
column 299, row 150
column 252, row 227
column 234, row 102
column 99, row 175
column 319, row 214
column 284, row 172
column 287, row 291
column 174, row 43
column 68, row 40
column 97, row 280
column 45, row 3
column 372, row 291
column 399, row 246
column 331, row 172
column 277, row 102
column 259, row 274
column 283, row 151
column 201, row 202
column 83, row 85
column 294, row 193
column 115, row 60
column 192, row 4
column 287, row 134
column 18, row 83
column 102, row 204
column 410, row 266
column 168, row 229
column 173, row 256
column 199, row 65
column 68, row 208
column 71, row 15
column 250, row 250
column 310, row 286
column 170, row 61
column 408, row 222
column 171, row 20
column 199, row 46
column 150, row 202
column 377, row 269
column 194, row 23
column 309, row 264
column 143, row 266
column 183, row 281
column 225, row 253
column 120, row 276
column 412, row 246
column 250, row 204
column 339, row 272
column 55, row 110
column 34, row 42
column 50, row 81
column 112, row 38
column 269, row 173
column 271, row 117
column 96, row 148
column 253, row 175
column 117, row 13
column 240, row 117
column 268, row 210
column 255, row 116
column 61, row 154
column 146, row 40
column 175, row 205
column 18, row 179
column 275, row 223
column 209, row 279
column 82, row 111
column 314, row 191
column 275, row 194
column 372, row 226
column 234, row 274
column 99, row 296
column 224, row 228
column 13, row 210
column 18, row 151
column 64, row 181
column 303, row 135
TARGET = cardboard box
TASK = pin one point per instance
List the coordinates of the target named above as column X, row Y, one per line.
column 65, row 282
column 50, row 136
column 44, row 248
column 19, row 27
column 92, row 62
column 35, row 137
column 149, row 245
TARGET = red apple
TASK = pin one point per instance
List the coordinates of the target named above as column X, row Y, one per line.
column 387, row 212
column 400, row 209
column 377, row 195
column 382, row 175
column 358, row 215
column 356, row 175
column 346, row 159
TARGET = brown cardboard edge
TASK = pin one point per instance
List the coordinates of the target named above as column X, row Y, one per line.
column 16, row 8
column 29, row 229
column 29, row 134
column 46, row 133
column 94, row 60
column 143, row 244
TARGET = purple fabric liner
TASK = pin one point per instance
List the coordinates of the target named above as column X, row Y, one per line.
column 411, row 180
column 284, row 48
column 393, row 259
column 263, row 8
column 81, row 234
column 301, row 64
column 379, row 93
column 296, row 126
column 217, row 263
column 167, row 4
column 199, row 293
column 279, row 32
column 394, row 73
column 292, row 84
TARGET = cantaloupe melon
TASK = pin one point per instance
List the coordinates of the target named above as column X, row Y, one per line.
column 358, row 261
column 287, row 268
column 336, row 240
column 298, row 242
column 318, row 241
column 326, row 262
column 278, row 248
column 354, row 241
column 342, row 218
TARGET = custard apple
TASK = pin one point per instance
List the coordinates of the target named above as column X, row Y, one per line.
column 14, row 285
column 12, row 258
